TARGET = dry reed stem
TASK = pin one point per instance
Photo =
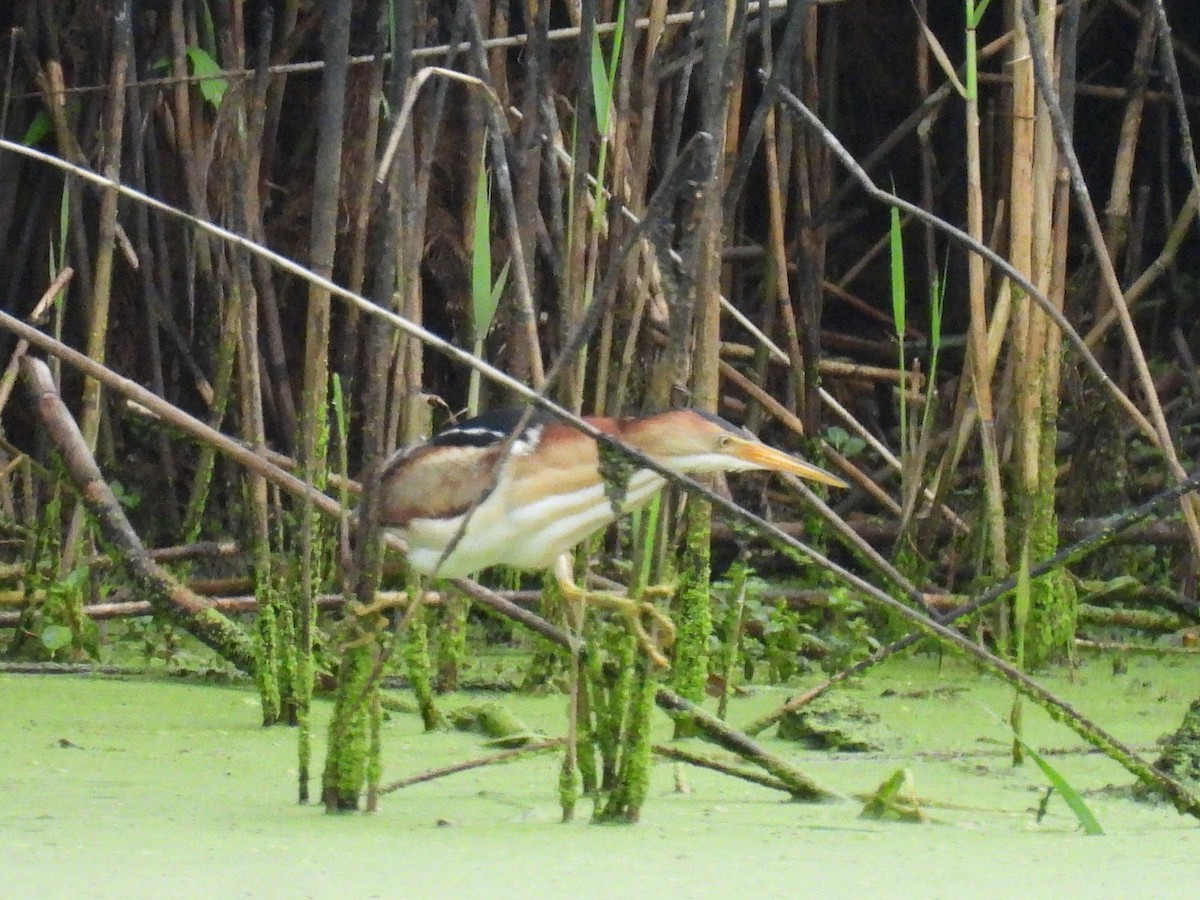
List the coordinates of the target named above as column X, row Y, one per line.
column 726, row 306
column 497, row 129
column 36, row 317
column 981, row 385
column 1161, row 432
column 997, row 261
column 1117, row 210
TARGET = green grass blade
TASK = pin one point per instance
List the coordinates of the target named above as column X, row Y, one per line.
column 601, row 87
column 937, row 308
column 899, row 301
column 1083, row 813
column 1078, row 806
column 483, row 299
column 603, row 77
column 899, row 307
column 976, row 16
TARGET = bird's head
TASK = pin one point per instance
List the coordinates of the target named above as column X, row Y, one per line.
column 692, row 442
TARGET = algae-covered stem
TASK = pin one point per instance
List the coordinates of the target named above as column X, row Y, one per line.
column 695, row 342
column 418, row 664
column 568, row 793
column 632, row 783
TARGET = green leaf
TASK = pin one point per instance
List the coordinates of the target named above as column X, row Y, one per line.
column 974, row 19
column 55, row 637
column 602, row 78
column 1082, row 812
column 937, row 309
column 77, row 578
column 899, row 301
column 843, row 441
column 212, row 88
column 483, row 300
column 38, row 128
column 124, row 497
column 601, row 87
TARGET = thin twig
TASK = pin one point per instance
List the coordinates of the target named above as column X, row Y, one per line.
column 479, row 763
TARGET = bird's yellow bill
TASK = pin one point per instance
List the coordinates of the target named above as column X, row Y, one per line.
column 778, row 461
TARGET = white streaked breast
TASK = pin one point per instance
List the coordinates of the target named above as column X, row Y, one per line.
column 529, row 537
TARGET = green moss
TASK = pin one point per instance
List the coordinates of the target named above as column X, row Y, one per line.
column 217, row 632
column 547, row 660
column 895, row 800
column 304, row 724
column 585, row 739
column 452, row 643
column 496, row 721
column 1181, row 749
column 632, row 784
column 834, row 722
column 615, row 471
column 347, row 754
column 289, row 658
column 638, row 744
column 693, row 610
column 568, row 786
column 374, row 750
column 420, row 675
column 1054, row 604
column 609, row 671
column 267, row 655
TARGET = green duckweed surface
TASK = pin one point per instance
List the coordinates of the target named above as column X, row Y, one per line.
column 152, row 788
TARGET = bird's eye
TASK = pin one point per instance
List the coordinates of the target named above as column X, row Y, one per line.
column 724, row 441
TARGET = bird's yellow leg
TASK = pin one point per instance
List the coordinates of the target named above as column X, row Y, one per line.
column 362, row 610
column 635, row 612
column 368, row 621
column 372, row 614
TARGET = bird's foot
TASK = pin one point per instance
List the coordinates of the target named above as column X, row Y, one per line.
column 375, row 610
column 638, row 614
column 659, row 591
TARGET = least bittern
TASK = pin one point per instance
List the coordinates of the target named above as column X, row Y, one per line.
column 529, row 506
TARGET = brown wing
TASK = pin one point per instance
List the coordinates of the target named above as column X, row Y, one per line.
column 437, row 482
column 458, row 468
